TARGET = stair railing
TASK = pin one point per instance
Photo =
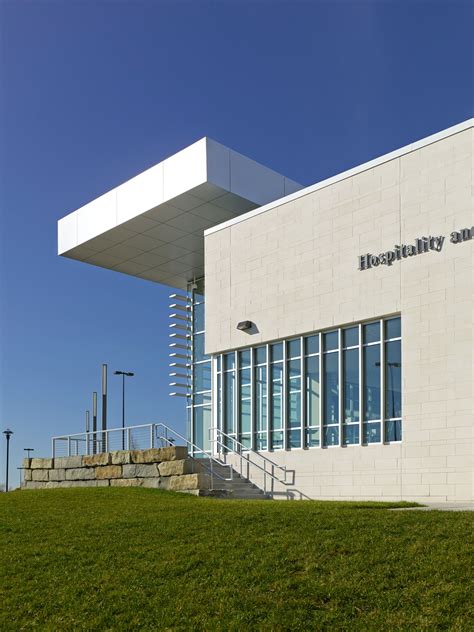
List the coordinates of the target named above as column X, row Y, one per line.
column 225, row 443
column 169, row 436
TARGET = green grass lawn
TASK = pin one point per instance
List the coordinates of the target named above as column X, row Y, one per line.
column 124, row 559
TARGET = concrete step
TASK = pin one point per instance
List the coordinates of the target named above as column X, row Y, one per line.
column 223, row 487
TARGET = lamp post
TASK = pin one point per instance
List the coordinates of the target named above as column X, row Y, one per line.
column 28, row 452
column 8, row 433
column 123, row 374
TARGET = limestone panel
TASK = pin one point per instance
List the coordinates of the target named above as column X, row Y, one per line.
column 96, row 459
column 67, row 462
column 156, row 455
column 57, row 475
column 42, row 464
column 120, row 457
column 176, row 468
column 40, row 475
column 127, row 482
column 80, row 474
column 71, row 483
column 189, row 481
column 108, row 471
column 140, row 470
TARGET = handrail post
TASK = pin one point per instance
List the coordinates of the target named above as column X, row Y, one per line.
column 151, row 435
column 128, row 438
column 69, row 446
column 53, row 447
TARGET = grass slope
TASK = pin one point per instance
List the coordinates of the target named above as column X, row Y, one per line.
column 119, row 559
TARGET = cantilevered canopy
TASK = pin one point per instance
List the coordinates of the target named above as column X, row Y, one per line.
column 152, row 226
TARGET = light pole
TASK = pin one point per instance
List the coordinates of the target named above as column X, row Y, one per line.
column 8, row 433
column 28, row 452
column 123, row 374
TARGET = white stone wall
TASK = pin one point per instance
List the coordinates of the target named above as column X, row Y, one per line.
column 294, row 269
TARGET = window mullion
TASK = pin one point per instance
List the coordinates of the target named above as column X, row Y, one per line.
column 321, row 389
column 284, row 402
column 341, row 393
column 361, row 391
column 268, row 394
column 302, row 394
column 382, row 382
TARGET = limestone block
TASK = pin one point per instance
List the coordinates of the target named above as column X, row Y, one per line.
column 33, row 485
column 51, row 484
column 27, row 475
column 39, row 475
column 173, row 453
column 96, row 459
column 140, row 471
column 126, row 482
column 80, row 474
column 41, row 464
column 102, row 483
column 77, row 483
column 26, row 463
column 156, row 455
column 109, row 471
column 68, row 462
column 177, row 468
column 189, row 481
column 154, row 482
column 57, row 475
column 120, row 457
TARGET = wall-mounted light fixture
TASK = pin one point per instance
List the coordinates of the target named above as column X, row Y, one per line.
column 244, row 325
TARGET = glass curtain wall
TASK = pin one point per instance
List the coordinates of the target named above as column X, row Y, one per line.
column 335, row 388
column 199, row 412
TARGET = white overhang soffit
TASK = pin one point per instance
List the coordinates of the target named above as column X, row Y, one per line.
column 301, row 192
column 153, row 226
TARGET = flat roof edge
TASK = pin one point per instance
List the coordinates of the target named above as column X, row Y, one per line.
column 397, row 153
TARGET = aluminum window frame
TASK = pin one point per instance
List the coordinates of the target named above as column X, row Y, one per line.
column 285, row 389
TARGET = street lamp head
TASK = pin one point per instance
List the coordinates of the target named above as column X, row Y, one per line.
column 8, row 433
column 130, row 374
column 126, row 373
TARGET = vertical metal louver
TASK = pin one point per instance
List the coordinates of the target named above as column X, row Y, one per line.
column 180, row 345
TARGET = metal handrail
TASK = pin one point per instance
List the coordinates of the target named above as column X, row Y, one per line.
column 245, row 454
column 196, row 448
column 99, row 441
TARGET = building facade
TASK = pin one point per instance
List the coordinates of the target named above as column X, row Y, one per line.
column 329, row 328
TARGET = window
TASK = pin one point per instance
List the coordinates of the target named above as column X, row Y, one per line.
column 351, row 382
column 341, row 387
column 312, row 390
column 393, row 380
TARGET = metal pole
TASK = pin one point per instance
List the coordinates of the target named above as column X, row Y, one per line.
column 94, row 422
column 87, row 431
column 123, row 411
column 8, row 434
column 104, row 402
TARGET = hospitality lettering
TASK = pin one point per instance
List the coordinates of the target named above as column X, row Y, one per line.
column 421, row 245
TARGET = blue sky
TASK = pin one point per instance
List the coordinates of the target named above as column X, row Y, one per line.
column 95, row 92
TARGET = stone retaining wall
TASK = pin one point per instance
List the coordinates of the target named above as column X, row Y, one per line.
column 168, row 468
